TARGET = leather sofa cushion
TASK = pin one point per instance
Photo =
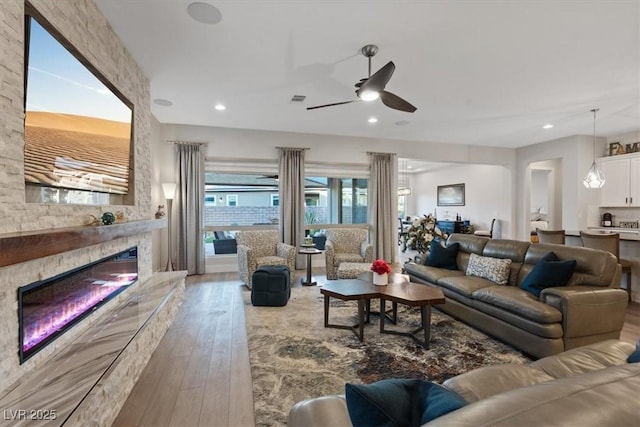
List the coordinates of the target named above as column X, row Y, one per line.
column 606, row 397
column 465, row 285
column 542, row 330
column 430, row 274
column 514, row 250
column 518, row 301
column 585, row 359
column 593, row 268
column 469, row 244
column 491, row 380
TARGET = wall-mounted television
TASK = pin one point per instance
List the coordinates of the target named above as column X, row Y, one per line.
column 78, row 127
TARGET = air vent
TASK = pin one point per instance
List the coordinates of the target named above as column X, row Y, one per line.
column 298, row 98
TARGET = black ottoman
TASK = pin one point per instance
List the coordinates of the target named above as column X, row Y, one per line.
column 271, row 286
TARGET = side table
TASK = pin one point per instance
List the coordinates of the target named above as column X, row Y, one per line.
column 309, row 252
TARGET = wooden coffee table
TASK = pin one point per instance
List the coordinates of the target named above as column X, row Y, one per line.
column 349, row 290
column 397, row 291
column 413, row 295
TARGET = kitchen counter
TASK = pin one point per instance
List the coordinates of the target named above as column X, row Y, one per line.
column 631, row 234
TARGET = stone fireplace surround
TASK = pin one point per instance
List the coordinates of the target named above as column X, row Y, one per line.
column 88, row 374
column 82, row 24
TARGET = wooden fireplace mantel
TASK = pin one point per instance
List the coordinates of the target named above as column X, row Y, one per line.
column 29, row 245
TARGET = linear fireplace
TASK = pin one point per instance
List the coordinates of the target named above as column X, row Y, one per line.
column 48, row 308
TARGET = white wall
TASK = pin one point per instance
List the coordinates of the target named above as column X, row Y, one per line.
column 539, row 191
column 488, row 191
column 227, row 143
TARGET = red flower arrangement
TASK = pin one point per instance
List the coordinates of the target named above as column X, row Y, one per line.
column 380, row 266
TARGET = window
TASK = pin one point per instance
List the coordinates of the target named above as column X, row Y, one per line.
column 331, row 200
column 210, row 200
column 402, row 206
column 312, row 199
column 232, row 200
column 275, row 200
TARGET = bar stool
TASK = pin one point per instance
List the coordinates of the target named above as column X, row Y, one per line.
column 550, row 236
column 609, row 242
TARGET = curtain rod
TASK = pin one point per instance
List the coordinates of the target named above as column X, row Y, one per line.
column 294, row 148
column 374, row 152
column 171, row 141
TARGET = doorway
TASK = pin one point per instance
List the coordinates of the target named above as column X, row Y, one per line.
column 545, row 197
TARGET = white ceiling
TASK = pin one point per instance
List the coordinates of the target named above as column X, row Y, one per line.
column 480, row 72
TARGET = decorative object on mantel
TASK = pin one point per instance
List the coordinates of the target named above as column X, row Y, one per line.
column 160, row 212
column 595, row 178
column 381, row 272
column 419, row 236
column 108, row 218
column 94, row 221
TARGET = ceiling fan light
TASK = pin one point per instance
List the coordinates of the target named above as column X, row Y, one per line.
column 369, row 95
column 594, row 178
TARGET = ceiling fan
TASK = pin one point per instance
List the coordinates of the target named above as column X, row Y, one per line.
column 373, row 86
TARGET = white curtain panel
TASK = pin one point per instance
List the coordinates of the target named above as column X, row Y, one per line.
column 188, row 208
column 291, row 183
column 383, row 205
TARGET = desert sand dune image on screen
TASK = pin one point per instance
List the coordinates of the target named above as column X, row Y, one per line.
column 77, row 152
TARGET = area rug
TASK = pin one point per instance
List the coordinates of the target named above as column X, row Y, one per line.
column 294, row 357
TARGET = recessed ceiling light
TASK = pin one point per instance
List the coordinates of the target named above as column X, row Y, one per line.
column 372, row 120
column 548, row 126
column 204, row 13
column 163, row 102
column 220, row 107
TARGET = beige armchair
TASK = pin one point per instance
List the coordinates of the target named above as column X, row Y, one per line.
column 256, row 248
column 346, row 245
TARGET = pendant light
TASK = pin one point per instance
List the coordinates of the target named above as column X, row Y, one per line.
column 595, row 177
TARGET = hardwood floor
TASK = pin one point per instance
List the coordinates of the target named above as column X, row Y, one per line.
column 200, row 375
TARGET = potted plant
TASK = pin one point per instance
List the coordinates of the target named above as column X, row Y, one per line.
column 381, row 272
column 421, row 233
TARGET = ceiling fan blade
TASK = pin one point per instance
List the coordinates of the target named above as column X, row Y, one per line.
column 331, row 105
column 379, row 79
column 395, row 102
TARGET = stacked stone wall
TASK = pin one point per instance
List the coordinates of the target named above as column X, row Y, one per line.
column 87, row 30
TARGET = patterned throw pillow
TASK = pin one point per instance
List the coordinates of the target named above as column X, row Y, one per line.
column 494, row 269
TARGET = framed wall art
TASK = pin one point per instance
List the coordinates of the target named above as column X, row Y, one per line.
column 451, row 195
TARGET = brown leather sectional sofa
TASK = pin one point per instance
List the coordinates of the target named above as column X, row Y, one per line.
column 590, row 386
column 589, row 309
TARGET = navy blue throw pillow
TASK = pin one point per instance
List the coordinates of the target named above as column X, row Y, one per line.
column 548, row 272
column 399, row 402
column 635, row 356
column 442, row 257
